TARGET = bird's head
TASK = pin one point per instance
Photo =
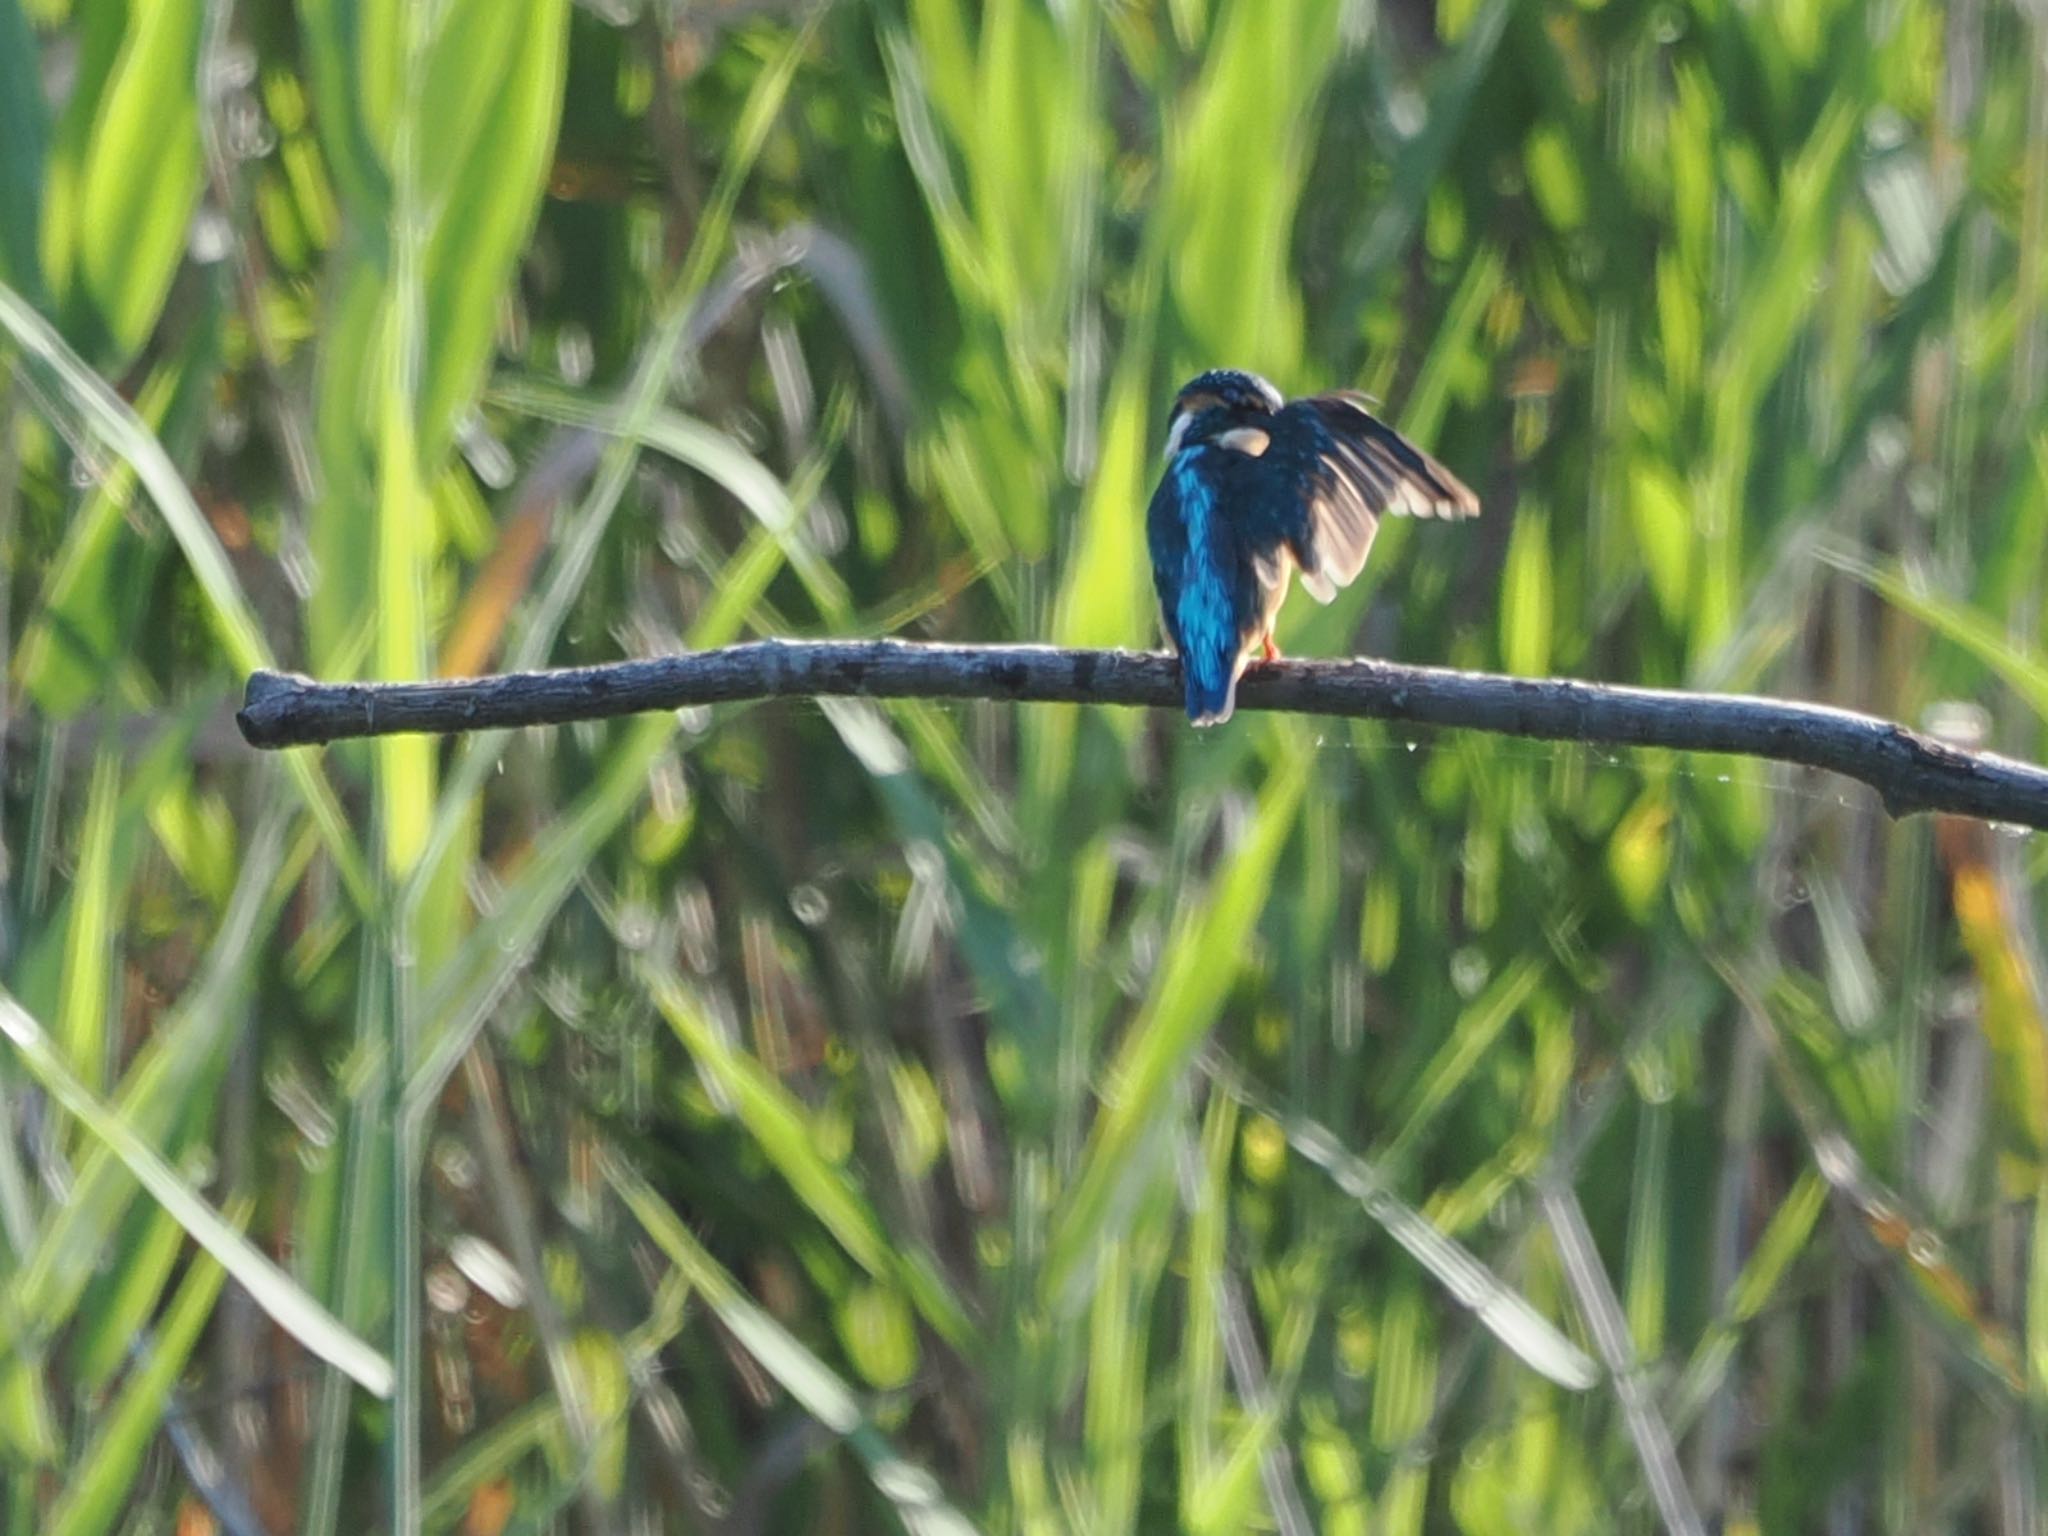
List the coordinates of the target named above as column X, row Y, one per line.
column 1222, row 402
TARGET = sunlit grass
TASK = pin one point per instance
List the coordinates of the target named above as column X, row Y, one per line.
column 959, row 1117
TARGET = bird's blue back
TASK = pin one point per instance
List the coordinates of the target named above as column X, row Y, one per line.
column 1202, row 568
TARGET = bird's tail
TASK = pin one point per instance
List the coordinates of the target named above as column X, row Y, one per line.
column 1210, row 673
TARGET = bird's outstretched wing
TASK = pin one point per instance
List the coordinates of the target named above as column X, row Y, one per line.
column 1348, row 469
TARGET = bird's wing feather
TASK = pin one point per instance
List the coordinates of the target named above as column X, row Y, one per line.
column 1347, row 470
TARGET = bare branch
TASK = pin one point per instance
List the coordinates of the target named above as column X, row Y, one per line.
column 1909, row 771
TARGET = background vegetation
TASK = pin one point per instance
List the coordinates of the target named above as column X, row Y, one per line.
column 828, row 1119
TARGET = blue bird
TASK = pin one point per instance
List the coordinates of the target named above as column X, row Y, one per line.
column 1257, row 488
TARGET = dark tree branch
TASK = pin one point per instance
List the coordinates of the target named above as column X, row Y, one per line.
column 1909, row 771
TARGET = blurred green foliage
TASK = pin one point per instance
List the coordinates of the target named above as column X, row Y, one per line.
column 840, row 1117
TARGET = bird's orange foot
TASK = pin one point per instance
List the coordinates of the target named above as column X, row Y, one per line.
column 1272, row 650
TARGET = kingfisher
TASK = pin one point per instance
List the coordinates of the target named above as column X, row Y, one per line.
column 1257, row 488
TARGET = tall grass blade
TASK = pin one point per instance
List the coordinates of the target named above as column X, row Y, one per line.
column 912, row 1491
column 1194, row 976
column 227, row 608
column 1602, row 1309
column 1507, row 1315
column 99, row 1486
column 24, row 134
column 288, row 1305
column 776, row 1120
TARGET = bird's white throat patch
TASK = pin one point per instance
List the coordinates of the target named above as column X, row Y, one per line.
column 1176, row 433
